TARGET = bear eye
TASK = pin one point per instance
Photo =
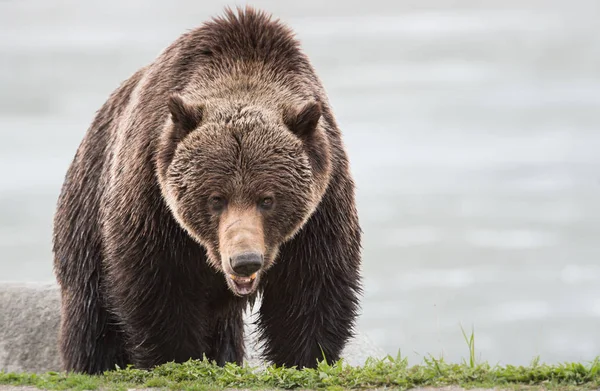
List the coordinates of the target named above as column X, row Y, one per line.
column 266, row 203
column 217, row 203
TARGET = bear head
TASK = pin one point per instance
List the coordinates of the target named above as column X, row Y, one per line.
column 242, row 179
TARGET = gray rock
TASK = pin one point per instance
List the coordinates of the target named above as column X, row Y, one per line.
column 29, row 321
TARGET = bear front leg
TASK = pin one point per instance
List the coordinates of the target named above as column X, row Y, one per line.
column 304, row 319
column 227, row 344
column 311, row 295
column 89, row 340
column 161, row 325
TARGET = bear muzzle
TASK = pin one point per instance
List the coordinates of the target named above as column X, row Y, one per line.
column 242, row 249
column 246, row 267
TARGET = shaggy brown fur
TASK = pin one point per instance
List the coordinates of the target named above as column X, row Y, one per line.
column 223, row 150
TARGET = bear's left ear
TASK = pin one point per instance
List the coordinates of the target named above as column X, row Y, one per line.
column 187, row 116
column 303, row 122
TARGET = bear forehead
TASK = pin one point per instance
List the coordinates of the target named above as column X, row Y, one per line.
column 239, row 114
column 252, row 140
column 255, row 143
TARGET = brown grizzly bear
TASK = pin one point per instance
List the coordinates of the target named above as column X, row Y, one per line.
column 214, row 174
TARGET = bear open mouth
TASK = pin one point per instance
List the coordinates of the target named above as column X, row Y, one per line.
column 244, row 285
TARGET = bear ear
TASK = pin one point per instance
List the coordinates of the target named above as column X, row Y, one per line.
column 187, row 116
column 303, row 122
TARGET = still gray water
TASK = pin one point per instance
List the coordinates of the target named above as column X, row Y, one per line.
column 473, row 130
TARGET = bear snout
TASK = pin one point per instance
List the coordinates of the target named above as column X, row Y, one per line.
column 246, row 264
column 241, row 242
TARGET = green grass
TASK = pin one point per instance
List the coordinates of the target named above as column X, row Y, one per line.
column 388, row 372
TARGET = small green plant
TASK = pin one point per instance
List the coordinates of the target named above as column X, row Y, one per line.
column 470, row 340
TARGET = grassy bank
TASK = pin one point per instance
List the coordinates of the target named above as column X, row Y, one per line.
column 389, row 372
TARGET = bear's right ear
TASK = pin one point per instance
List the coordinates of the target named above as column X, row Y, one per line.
column 187, row 116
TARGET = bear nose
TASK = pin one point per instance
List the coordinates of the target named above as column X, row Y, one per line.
column 246, row 264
